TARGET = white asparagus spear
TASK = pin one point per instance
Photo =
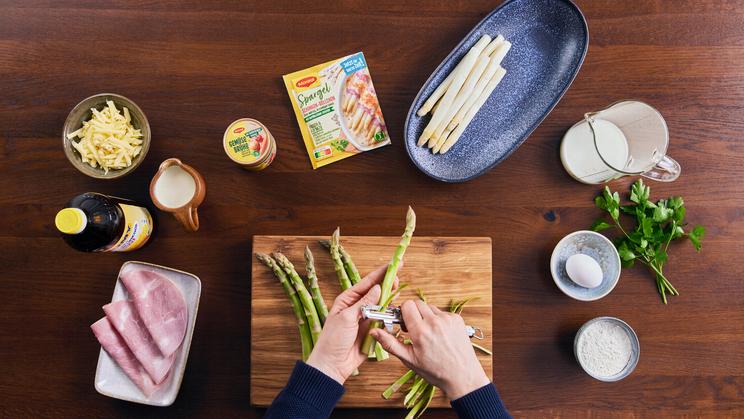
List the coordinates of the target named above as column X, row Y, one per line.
column 494, row 65
column 352, row 104
column 436, row 106
column 433, row 100
column 493, row 45
column 371, row 131
column 487, row 75
column 454, row 87
column 465, row 92
column 472, row 112
column 473, row 86
column 357, row 117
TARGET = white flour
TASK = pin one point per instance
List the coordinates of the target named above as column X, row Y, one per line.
column 604, row 348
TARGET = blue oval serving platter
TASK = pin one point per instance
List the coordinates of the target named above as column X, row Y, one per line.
column 549, row 41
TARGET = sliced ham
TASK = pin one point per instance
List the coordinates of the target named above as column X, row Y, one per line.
column 124, row 318
column 160, row 305
column 112, row 343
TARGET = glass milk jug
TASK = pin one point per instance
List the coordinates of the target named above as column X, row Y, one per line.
column 626, row 138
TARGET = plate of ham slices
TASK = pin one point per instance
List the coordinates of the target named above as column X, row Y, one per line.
column 145, row 334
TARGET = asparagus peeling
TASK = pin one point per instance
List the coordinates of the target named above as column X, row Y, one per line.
column 297, row 307
column 398, row 384
column 312, row 278
column 307, row 301
column 420, row 394
column 392, row 271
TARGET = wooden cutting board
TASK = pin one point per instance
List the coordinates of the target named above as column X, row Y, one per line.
column 444, row 267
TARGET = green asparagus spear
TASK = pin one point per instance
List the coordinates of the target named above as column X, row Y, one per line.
column 378, row 352
column 312, row 278
column 338, row 264
column 305, row 337
column 418, row 384
column 422, row 404
column 349, row 266
column 392, row 271
column 421, row 295
column 398, row 384
column 307, row 301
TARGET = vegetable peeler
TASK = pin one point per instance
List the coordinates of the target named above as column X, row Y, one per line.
column 392, row 315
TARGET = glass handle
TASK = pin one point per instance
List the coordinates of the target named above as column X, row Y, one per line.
column 665, row 170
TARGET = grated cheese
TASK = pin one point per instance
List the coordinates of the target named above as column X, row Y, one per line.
column 108, row 140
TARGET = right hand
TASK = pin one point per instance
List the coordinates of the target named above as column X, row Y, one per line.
column 440, row 349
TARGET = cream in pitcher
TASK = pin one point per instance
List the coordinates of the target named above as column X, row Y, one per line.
column 627, row 138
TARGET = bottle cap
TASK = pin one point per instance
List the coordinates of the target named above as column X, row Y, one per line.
column 71, row 221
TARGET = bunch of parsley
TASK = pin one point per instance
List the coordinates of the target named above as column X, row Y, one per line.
column 657, row 224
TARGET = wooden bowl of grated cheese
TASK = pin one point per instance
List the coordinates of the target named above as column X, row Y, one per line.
column 106, row 136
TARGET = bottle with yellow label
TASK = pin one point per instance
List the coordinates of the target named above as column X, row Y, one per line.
column 94, row 222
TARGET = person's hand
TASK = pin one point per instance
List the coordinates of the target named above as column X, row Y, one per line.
column 440, row 349
column 337, row 351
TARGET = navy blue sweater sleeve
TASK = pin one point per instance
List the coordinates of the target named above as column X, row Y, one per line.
column 483, row 403
column 309, row 394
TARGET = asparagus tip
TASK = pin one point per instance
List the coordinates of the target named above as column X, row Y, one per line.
column 263, row 257
column 281, row 259
column 411, row 217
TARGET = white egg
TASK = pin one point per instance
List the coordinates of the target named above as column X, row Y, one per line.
column 584, row 270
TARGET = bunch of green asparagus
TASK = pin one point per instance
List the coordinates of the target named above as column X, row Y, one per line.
column 308, row 306
column 420, row 393
column 348, row 275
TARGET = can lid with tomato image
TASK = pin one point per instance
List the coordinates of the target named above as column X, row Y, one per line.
column 249, row 143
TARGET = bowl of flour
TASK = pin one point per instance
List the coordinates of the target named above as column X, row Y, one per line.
column 607, row 348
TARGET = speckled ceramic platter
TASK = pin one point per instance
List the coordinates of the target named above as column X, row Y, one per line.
column 549, row 41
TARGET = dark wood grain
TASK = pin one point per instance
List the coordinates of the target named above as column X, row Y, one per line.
column 195, row 66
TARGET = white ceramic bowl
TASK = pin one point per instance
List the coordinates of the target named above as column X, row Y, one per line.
column 593, row 244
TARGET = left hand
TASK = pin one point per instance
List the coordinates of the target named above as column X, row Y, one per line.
column 337, row 353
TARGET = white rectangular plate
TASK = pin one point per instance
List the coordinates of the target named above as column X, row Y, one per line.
column 113, row 382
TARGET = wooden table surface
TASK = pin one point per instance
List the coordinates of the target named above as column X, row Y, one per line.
column 196, row 66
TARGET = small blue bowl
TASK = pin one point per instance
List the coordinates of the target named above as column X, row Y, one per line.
column 599, row 248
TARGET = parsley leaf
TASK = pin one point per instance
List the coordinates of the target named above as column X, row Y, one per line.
column 657, row 224
column 600, row 225
column 696, row 236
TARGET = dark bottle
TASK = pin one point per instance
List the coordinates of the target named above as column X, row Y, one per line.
column 94, row 222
